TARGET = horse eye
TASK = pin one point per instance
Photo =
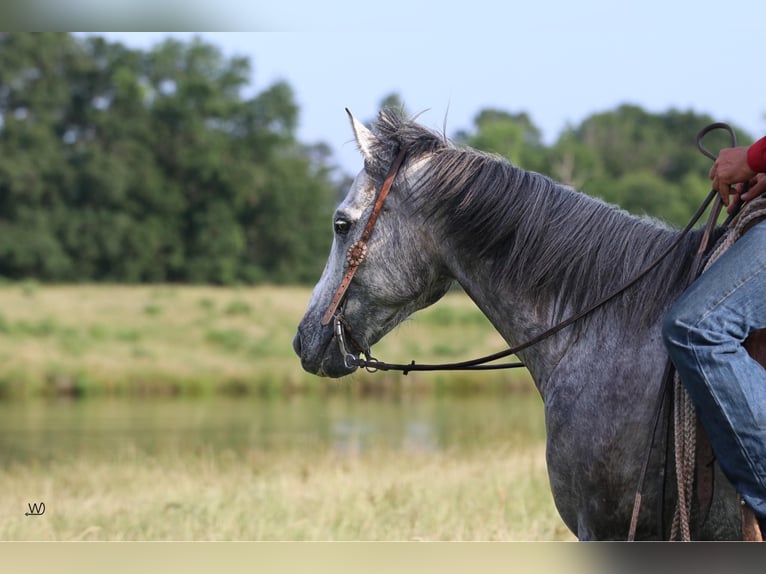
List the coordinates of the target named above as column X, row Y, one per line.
column 342, row 226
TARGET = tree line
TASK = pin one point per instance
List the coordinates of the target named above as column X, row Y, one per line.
column 647, row 163
column 127, row 165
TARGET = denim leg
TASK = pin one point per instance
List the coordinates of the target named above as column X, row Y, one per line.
column 703, row 333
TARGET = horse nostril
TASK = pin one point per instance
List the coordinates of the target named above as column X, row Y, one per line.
column 297, row 344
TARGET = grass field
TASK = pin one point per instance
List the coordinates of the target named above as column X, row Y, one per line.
column 268, row 469
column 90, row 340
column 147, row 342
column 384, row 496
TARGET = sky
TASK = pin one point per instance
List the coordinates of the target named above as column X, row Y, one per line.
column 558, row 61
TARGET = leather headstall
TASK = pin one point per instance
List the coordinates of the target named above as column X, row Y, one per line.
column 357, row 253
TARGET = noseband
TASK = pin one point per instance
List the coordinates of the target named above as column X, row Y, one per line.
column 357, row 253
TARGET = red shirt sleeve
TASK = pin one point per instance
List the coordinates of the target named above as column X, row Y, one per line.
column 756, row 156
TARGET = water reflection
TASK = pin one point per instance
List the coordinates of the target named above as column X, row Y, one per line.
column 43, row 431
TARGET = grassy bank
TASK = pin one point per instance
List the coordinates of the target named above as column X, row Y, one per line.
column 113, row 340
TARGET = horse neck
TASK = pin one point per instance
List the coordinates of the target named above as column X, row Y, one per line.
column 530, row 294
column 515, row 315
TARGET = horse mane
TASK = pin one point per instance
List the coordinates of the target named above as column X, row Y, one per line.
column 544, row 237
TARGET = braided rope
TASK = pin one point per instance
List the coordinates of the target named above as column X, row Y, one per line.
column 685, row 447
column 684, row 415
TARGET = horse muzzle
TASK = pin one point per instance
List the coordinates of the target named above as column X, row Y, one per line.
column 320, row 353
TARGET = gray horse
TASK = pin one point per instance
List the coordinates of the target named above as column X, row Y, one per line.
column 529, row 252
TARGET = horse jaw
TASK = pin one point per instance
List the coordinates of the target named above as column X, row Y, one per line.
column 365, row 139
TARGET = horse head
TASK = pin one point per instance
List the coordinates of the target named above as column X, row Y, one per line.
column 401, row 271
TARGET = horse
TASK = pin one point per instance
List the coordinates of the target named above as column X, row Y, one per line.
column 530, row 252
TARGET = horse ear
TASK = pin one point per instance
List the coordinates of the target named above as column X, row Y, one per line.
column 364, row 137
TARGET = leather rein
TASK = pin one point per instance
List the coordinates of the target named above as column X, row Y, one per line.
column 357, row 253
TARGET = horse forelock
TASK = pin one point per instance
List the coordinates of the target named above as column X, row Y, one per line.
column 546, row 238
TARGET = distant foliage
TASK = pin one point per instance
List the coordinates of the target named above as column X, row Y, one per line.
column 646, row 163
column 123, row 165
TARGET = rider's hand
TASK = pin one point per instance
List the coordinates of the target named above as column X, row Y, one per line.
column 730, row 168
column 757, row 187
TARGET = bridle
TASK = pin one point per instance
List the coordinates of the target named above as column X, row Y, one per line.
column 357, row 253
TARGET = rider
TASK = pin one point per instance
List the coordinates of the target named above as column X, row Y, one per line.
column 705, row 329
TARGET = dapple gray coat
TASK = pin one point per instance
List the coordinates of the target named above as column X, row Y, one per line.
column 530, row 253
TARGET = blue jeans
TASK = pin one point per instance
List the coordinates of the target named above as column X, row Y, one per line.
column 703, row 333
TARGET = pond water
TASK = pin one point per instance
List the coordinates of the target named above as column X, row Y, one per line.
column 49, row 431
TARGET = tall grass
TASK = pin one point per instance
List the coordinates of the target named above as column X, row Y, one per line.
column 285, row 496
column 95, row 340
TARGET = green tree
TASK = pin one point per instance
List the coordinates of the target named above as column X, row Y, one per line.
column 513, row 136
column 34, row 167
column 128, row 165
column 647, row 163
